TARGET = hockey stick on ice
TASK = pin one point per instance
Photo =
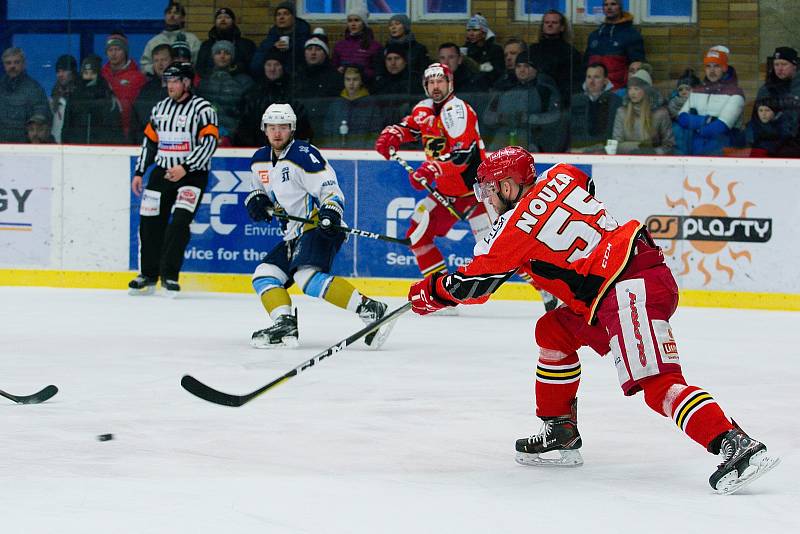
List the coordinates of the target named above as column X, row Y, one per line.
column 36, row 398
column 345, row 229
column 198, row 389
column 440, row 198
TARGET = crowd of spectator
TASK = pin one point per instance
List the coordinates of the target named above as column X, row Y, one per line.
column 546, row 95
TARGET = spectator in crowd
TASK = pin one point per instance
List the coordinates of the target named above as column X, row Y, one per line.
column 769, row 129
column 642, row 125
column 359, row 46
column 481, row 47
column 288, row 36
column 123, row 75
column 463, row 79
column 683, row 88
column 398, row 88
column 151, row 93
column 556, row 55
column 398, row 78
column 528, row 113
column 657, row 99
column 225, row 29
column 593, row 111
column 400, row 34
column 783, row 86
column 318, row 82
column 225, row 88
column 352, row 117
column 513, row 47
column 93, row 114
column 616, row 43
column 66, row 81
column 174, row 22
column 20, row 97
column 38, row 130
column 714, row 109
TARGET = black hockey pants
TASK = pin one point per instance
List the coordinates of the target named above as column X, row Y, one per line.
column 163, row 239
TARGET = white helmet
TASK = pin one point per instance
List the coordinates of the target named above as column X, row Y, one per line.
column 279, row 114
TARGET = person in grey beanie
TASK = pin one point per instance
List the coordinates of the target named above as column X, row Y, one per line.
column 400, row 34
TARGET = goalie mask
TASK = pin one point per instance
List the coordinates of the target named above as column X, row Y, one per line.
column 438, row 70
column 279, row 114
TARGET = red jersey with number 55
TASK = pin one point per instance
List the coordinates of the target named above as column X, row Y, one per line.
column 559, row 234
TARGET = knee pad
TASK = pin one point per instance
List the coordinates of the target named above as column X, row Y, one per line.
column 268, row 276
column 554, row 340
column 151, row 203
column 312, row 282
column 187, row 199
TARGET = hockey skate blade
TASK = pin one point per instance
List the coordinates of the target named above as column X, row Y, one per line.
column 145, row 291
column 760, row 463
column 171, row 294
column 450, row 311
column 380, row 336
column 288, row 342
column 567, row 458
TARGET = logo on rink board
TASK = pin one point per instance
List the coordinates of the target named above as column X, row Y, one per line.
column 712, row 228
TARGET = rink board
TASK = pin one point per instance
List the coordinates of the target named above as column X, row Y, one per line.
column 68, row 218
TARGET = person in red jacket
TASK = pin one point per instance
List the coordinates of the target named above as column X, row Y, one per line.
column 448, row 129
column 618, row 298
column 616, row 43
column 123, row 75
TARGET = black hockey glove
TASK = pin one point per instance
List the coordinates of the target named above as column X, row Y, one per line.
column 329, row 219
column 259, row 206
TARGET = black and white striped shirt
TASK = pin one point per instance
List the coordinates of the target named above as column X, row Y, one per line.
column 180, row 133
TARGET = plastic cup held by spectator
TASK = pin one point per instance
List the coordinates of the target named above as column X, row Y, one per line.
column 611, row 146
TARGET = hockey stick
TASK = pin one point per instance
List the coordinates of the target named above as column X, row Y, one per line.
column 36, row 398
column 345, row 229
column 198, row 389
column 440, row 198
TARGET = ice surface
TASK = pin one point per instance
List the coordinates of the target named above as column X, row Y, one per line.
column 415, row 438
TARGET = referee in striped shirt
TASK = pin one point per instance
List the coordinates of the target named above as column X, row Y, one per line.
column 180, row 138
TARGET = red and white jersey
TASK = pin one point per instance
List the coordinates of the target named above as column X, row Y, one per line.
column 450, row 137
column 560, row 235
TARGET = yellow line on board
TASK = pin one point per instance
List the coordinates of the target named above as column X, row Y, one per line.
column 386, row 287
column 16, row 229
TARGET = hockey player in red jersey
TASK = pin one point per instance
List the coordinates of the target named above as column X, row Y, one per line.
column 618, row 298
column 448, row 129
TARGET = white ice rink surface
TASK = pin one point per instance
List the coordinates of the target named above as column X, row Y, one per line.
column 416, row 438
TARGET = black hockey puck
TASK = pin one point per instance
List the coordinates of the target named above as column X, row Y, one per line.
column 105, row 437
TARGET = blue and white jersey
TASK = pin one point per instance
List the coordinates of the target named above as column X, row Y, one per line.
column 301, row 181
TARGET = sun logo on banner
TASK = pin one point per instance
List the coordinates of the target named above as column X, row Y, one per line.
column 710, row 229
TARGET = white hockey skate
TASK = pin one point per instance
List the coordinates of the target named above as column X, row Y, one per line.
column 142, row 285
column 171, row 288
column 281, row 334
column 370, row 311
column 744, row 460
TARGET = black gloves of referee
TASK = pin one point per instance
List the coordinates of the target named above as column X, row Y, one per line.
column 259, row 206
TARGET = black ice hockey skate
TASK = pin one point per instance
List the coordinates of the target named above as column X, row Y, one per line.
column 142, row 285
column 743, row 460
column 370, row 311
column 559, row 435
column 171, row 287
column 281, row 334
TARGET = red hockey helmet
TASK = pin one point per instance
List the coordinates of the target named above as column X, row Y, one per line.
column 512, row 162
column 438, row 70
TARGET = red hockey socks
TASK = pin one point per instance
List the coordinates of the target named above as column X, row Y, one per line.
column 691, row 408
column 558, row 376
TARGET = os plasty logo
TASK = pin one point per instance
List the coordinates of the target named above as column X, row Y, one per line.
column 717, row 228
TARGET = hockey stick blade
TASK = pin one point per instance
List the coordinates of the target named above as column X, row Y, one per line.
column 37, row 398
column 207, row 393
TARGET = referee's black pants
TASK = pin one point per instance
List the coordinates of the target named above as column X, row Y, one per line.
column 163, row 239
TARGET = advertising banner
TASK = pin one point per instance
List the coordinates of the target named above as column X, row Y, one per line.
column 26, row 186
